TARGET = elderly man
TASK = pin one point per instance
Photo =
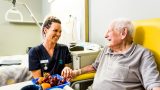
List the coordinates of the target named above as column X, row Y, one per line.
column 122, row 65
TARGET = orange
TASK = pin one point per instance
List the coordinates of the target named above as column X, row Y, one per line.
column 45, row 86
column 40, row 80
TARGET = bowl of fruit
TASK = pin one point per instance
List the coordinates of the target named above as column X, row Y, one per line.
column 49, row 82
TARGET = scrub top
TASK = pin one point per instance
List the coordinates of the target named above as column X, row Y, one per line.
column 40, row 59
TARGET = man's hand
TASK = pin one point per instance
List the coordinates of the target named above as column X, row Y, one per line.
column 76, row 72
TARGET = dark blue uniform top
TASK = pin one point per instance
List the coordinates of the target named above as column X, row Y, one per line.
column 55, row 63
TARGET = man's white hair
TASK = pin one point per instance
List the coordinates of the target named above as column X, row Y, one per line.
column 122, row 23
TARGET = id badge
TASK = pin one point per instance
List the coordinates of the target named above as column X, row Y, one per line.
column 44, row 62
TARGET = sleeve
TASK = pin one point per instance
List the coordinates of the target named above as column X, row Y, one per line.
column 68, row 56
column 34, row 62
column 149, row 71
column 99, row 57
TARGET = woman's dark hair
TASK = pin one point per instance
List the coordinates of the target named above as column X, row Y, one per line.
column 48, row 21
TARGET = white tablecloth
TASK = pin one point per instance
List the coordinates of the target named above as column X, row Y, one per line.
column 16, row 86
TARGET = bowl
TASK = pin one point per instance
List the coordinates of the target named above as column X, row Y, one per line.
column 31, row 87
column 59, row 87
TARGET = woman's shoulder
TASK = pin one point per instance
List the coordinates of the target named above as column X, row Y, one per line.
column 33, row 49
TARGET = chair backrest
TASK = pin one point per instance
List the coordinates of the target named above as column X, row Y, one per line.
column 147, row 33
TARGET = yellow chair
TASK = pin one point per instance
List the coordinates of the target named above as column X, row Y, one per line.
column 83, row 78
column 147, row 33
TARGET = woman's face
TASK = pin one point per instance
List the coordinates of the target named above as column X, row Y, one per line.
column 53, row 33
column 113, row 37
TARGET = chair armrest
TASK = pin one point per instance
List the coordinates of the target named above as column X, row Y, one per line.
column 84, row 77
column 80, row 81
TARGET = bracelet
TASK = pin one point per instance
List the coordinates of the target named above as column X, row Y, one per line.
column 79, row 71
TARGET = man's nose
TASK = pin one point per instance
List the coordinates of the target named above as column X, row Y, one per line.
column 106, row 35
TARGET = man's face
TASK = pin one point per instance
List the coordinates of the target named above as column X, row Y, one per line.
column 113, row 37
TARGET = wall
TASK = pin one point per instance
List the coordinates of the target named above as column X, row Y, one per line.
column 45, row 8
column 63, row 9
column 103, row 11
column 16, row 37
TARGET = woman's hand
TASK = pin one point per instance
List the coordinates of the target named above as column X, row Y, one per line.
column 67, row 73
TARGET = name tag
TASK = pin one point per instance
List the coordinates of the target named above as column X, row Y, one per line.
column 44, row 61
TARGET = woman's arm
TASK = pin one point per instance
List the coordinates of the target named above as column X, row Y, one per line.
column 36, row 73
column 156, row 88
column 68, row 65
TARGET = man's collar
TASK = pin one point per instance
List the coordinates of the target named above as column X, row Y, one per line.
column 126, row 53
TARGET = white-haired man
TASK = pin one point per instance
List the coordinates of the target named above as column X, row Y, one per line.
column 123, row 65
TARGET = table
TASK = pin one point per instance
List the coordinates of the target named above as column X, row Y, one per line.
column 16, row 86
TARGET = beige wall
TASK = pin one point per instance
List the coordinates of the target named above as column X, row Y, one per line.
column 16, row 37
column 102, row 12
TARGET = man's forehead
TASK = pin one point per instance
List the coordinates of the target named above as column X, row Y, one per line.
column 110, row 27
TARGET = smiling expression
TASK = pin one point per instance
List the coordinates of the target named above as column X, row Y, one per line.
column 113, row 36
column 53, row 33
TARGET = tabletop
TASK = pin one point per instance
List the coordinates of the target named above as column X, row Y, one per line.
column 16, row 86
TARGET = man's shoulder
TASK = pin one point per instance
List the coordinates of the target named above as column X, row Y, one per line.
column 141, row 48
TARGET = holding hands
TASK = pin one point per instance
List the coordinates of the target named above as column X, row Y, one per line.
column 69, row 74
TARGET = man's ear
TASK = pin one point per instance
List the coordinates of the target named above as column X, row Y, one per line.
column 124, row 33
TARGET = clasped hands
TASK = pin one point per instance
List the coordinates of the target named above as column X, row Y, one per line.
column 69, row 74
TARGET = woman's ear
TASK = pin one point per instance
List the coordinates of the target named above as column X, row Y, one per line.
column 45, row 30
column 124, row 33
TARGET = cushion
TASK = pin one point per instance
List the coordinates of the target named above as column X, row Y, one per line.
column 147, row 33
